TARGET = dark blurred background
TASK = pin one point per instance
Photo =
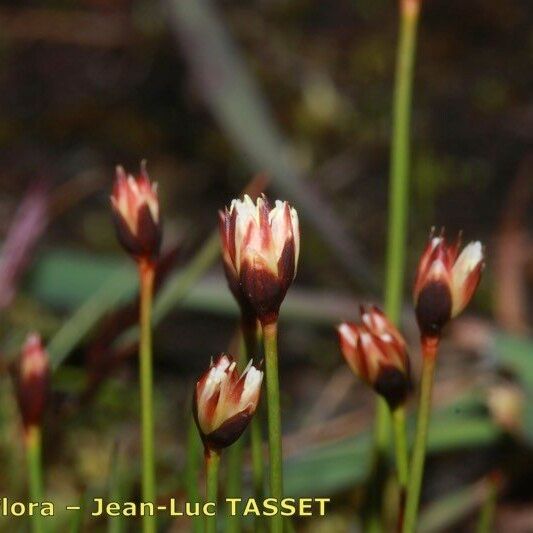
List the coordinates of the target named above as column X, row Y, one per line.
column 212, row 93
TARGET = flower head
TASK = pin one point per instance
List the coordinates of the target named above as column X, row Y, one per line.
column 260, row 249
column 32, row 378
column 136, row 213
column 376, row 352
column 225, row 402
column 445, row 282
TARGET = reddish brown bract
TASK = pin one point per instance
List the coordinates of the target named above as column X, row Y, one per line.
column 32, row 378
column 225, row 402
column 376, row 352
column 260, row 249
column 136, row 214
column 445, row 282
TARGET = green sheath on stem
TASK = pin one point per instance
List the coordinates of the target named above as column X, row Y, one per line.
column 35, row 473
column 212, row 461
column 146, row 273
column 270, row 339
column 419, row 451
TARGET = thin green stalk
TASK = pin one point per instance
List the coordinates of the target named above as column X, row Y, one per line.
column 400, row 446
column 234, row 483
column 416, row 472
column 488, row 510
column 76, row 524
column 235, row 453
column 258, row 463
column 398, row 201
column 35, row 473
column 400, row 153
column 192, row 468
column 116, row 489
column 147, row 272
column 270, row 339
column 248, row 350
column 372, row 508
column 251, row 341
column 212, row 462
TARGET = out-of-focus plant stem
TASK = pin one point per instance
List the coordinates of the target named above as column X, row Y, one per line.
column 486, row 516
column 76, row 524
column 270, row 340
column 416, row 472
column 116, row 491
column 180, row 284
column 35, row 473
column 146, row 276
column 212, row 462
column 398, row 205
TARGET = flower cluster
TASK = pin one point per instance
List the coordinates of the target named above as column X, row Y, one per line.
column 260, row 249
column 445, row 282
column 376, row 352
column 224, row 401
column 135, row 207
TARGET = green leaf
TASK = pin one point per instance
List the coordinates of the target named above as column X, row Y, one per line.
column 337, row 466
column 66, row 278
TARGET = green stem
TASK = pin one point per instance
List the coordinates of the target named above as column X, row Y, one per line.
column 212, row 461
column 372, row 508
column 35, row 473
column 400, row 446
column 147, row 272
column 400, row 152
column 250, row 335
column 258, row 463
column 248, row 348
column 416, row 473
column 76, row 524
column 486, row 516
column 234, row 483
column 192, row 467
column 116, row 491
column 398, row 199
column 235, row 453
column 270, row 339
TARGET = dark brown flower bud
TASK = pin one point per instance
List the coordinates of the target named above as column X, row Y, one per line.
column 32, row 380
column 135, row 207
column 445, row 282
column 376, row 352
column 225, row 402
